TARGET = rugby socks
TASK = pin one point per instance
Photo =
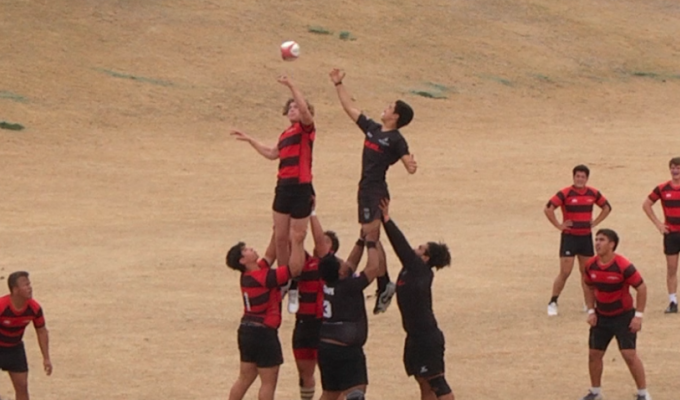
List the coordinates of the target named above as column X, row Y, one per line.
column 595, row 390
column 642, row 392
column 382, row 282
column 553, row 299
column 673, row 298
column 306, row 393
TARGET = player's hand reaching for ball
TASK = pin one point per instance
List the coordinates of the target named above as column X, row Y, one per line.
column 385, row 209
column 241, row 136
column 285, row 80
column 337, row 75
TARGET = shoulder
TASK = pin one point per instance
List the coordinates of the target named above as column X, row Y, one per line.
column 592, row 260
column 622, row 262
column 591, row 190
column 4, row 302
column 34, row 305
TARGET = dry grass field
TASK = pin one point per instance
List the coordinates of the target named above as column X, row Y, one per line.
column 124, row 191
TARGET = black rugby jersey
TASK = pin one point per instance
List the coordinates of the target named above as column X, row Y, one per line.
column 381, row 149
column 344, row 311
column 414, row 286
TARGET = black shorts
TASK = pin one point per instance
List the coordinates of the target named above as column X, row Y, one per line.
column 369, row 204
column 576, row 245
column 259, row 345
column 13, row 359
column 608, row 327
column 306, row 338
column 342, row 367
column 671, row 243
column 294, row 200
column 424, row 355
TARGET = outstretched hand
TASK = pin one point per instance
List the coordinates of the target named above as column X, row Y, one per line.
column 241, row 136
column 385, row 209
column 285, row 80
column 337, row 75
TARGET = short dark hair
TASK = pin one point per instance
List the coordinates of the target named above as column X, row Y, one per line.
column 611, row 235
column 581, row 168
column 329, row 268
column 13, row 278
column 286, row 107
column 439, row 254
column 234, row 257
column 674, row 161
column 405, row 113
column 335, row 242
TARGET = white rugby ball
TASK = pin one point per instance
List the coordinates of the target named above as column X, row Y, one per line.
column 290, row 50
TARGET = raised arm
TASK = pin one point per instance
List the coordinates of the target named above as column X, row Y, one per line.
column 270, row 153
column 306, row 117
column 397, row 239
column 355, row 256
column 320, row 246
column 270, row 253
column 345, row 99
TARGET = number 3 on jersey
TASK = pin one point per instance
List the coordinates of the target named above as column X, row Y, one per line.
column 327, row 310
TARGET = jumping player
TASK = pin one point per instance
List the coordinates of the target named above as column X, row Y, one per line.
column 669, row 194
column 345, row 327
column 383, row 146
column 611, row 312
column 17, row 310
column 294, row 191
column 424, row 346
column 576, row 202
column 258, row 339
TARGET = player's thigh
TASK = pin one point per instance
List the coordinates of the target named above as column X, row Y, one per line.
column 626, row 339
column 268, row 375
column 600, row 336
column 301, row 204
column 19, row 380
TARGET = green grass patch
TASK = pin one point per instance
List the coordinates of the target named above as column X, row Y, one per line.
column 143, row 79
column 319, row 30
column 498, row 79
column 346, row 35
column 13, row 96
column 432, row 90
column 11, row 126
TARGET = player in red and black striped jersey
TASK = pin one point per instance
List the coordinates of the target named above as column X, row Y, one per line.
column 669, row 194
column 294, row 192
column 17, row 310
column 258, row 340
column 612, row 312
column 384, row 145
column 576, row 203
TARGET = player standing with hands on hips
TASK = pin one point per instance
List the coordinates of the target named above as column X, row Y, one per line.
column 383, row 146
column 294, row 191
column 669, row 194
column 576, row 202
column 612, row 313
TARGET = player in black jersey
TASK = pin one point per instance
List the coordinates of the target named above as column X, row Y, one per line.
column 345, row 327
column 383, row 146
column 424, row 347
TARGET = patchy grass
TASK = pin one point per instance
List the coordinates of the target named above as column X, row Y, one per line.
column 13, row 96
column 143, row 79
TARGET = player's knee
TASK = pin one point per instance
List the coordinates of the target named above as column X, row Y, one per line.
column 629, row 356
column 356, row 394
column 439, row 386
column 297, row 235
